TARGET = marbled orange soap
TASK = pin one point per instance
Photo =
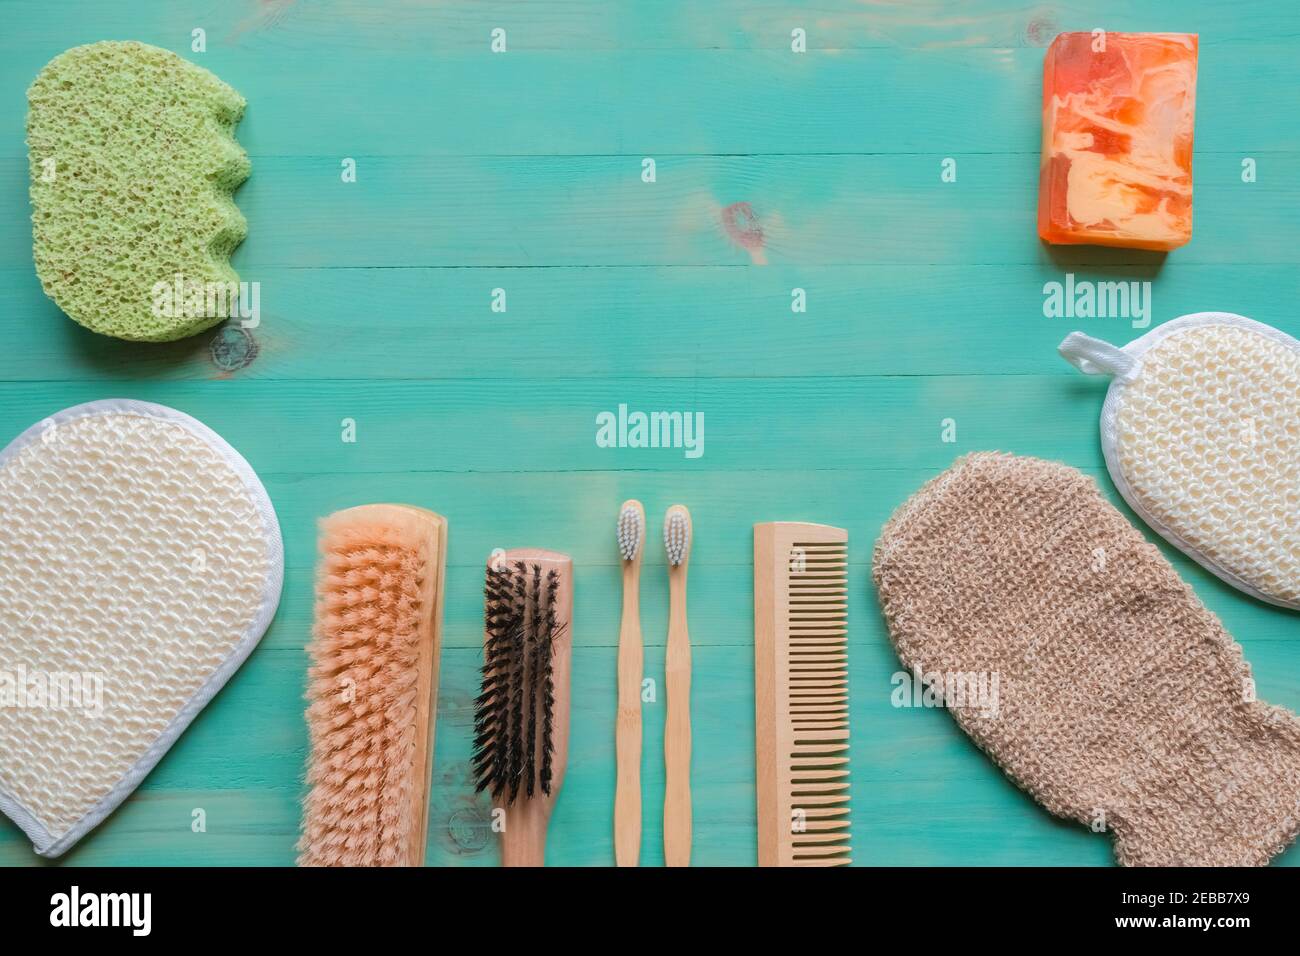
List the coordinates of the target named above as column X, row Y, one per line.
column 1118, row 113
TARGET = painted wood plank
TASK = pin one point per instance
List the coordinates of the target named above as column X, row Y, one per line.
column 800, row 210
column 938, row 101
column 630, row 322
column 724, row 210
column 358, row 26
column 495, row 425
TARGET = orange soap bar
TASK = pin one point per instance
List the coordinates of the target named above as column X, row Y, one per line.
column 1118, row 111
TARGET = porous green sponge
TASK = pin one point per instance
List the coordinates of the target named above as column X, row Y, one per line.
column 133, row 162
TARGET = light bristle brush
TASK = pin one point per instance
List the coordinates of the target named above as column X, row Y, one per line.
column 373, row 686
column 627, row 731
column 677, row 681
column 521, row 716
column 801, row 693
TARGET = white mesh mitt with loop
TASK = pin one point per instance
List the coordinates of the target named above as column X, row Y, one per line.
column 1201, row 433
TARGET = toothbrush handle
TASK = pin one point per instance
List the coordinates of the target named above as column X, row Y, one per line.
column 677, row 730
column 627, row 733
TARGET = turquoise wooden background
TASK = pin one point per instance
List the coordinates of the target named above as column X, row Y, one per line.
column 522, row 171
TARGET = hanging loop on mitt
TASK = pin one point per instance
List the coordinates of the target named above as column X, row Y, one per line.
column 1095, row 357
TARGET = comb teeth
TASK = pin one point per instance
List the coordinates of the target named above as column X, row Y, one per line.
column 802, row 652
column 818, row 709
column 677, row 537
column 631, row 531
column 514, row 712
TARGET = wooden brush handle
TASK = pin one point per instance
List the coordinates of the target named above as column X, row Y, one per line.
column 627, row 733
column 523, row 841
column 677, row 730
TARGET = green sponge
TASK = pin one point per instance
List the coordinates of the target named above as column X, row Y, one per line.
column 133, row 162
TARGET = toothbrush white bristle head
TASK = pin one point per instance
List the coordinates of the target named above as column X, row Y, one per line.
column 677, row 535
column 631, row 532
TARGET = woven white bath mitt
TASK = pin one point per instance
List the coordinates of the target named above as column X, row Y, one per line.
column 1201, row 433
column 140, row 563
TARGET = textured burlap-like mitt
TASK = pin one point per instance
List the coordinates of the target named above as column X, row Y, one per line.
column 1121, row 700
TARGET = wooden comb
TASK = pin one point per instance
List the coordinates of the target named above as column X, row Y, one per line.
column 801, row 693
column 521, row 718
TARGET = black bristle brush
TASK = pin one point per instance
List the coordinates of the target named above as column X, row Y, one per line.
column 521, row 716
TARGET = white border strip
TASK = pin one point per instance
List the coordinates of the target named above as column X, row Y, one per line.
column 51, row 845
column 1110, row 414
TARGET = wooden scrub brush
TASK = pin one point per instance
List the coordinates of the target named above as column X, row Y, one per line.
column 521, row 717
column 373, row 686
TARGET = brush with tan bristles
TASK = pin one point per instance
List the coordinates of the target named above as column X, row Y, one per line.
column 372, row 686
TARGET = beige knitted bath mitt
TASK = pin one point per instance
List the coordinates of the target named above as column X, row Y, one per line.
column 1120, row 700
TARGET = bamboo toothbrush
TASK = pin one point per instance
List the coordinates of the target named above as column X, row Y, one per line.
column 627, row 731
column 373, row 686
column 677, row 674
column 521, row 717
column 801, row 694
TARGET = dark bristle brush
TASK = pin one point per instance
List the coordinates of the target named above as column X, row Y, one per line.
column 521, row 716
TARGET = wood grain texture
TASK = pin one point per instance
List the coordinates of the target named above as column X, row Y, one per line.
column 677, row 687
column 801, row 694
column 631, row 667
column 521, row 171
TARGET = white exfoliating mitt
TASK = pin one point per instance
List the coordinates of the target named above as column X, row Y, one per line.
column 140, row 563
column 1201, row 433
